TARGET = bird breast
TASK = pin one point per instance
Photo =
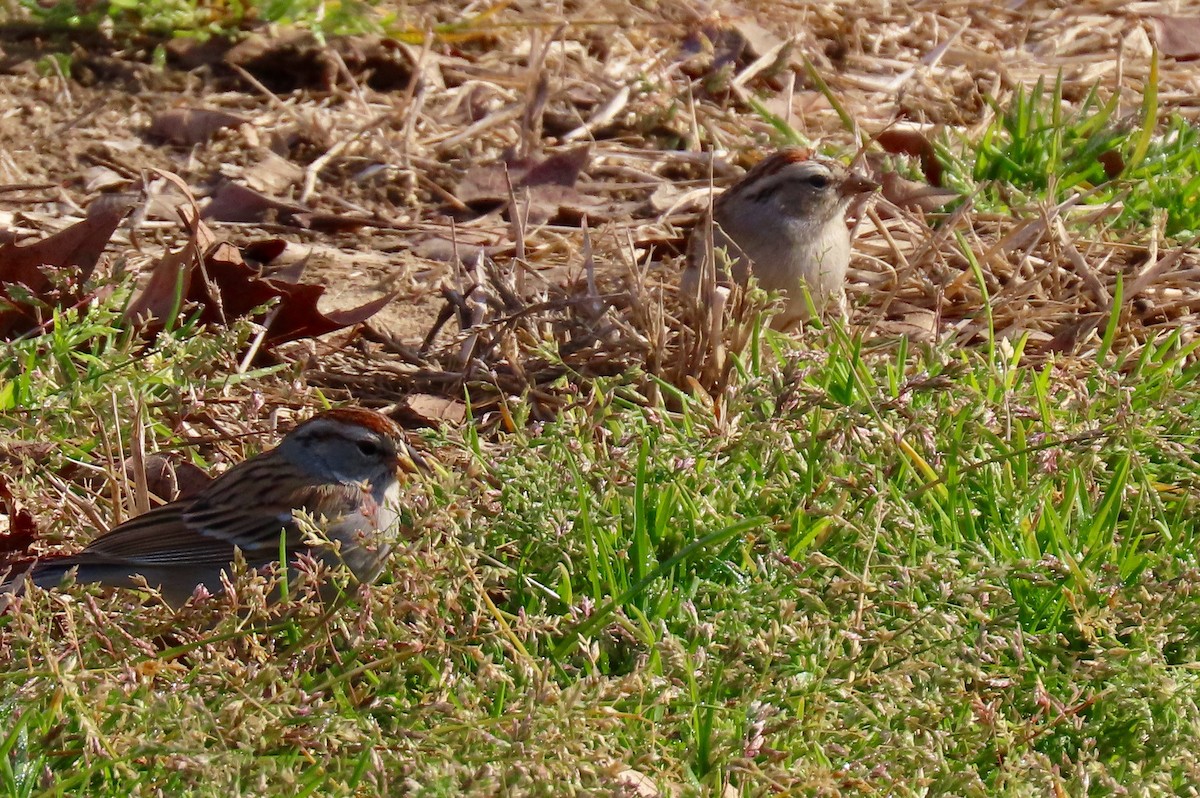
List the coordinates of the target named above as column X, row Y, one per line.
column 815, row 254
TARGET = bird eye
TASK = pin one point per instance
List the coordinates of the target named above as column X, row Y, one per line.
column 817, row 180
column 369, row 448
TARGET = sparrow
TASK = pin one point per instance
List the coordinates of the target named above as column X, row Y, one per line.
column 342, row 468
column 785, row 223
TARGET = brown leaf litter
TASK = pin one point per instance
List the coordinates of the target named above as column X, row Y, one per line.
column 215, row 277
column 54, row 273
column 205, row 274
column 407, row 160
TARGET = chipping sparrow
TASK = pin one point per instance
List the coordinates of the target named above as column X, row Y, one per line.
column 341, row 467
column 785, row 221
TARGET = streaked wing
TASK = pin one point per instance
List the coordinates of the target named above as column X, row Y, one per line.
column 248, row 507
column 259, row 526
column 159, row 537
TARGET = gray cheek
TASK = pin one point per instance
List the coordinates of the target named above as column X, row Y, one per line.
column 803, row 202
column 382, row 483
column 831, row 205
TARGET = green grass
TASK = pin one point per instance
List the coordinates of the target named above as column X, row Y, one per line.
column 1034, row 148
column 133, row 20
column 208, row 18
column 89, row 371
column 905, row 573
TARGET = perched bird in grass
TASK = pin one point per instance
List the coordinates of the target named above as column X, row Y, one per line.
column 342, row 468
column 785, row 223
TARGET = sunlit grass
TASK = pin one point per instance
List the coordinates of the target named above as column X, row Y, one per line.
column 869, row 566
column 892, row 570
column 205, row 17
column 1038, row 147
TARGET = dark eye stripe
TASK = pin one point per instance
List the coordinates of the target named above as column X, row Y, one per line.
column 818, row 180
column 763, row 194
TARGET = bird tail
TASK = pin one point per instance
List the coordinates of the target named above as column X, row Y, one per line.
column 12, row 583
column 45, row 573
column 12, row 576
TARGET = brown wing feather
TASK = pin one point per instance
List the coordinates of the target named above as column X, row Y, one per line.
column 228, row 513
column 160, row 536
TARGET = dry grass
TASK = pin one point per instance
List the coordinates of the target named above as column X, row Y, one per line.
column 655, row 90
column 1044, row 271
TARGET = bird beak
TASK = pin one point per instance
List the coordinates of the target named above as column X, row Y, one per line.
column 409, row 462
column 856, row 184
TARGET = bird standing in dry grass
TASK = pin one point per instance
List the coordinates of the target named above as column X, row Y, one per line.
column 785, row 223
column 342, row 468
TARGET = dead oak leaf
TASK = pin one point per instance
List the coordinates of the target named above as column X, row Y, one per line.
column 1178, row 37
column 215, row 277
column 547, row 186
column 427, row 410
column 907, row 141
column 231, row 288
column 233, row 202
column 161, row 298
column 189, row 126
column 28, row 290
